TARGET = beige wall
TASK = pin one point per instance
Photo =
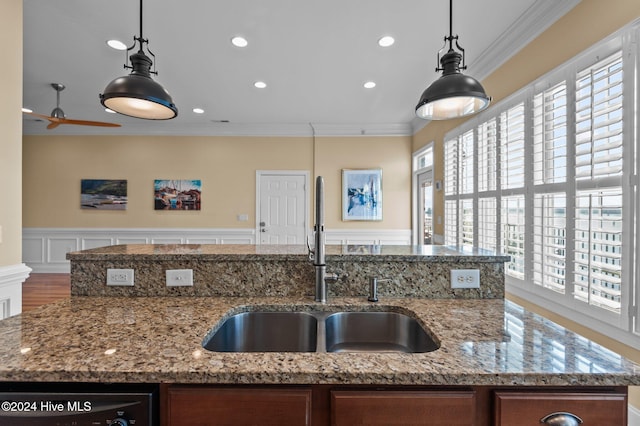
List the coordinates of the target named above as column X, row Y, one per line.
column 54, row 166
column 392, row 155
column 11, row 133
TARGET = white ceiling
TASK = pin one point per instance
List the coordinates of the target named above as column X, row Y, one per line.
column 314, row 57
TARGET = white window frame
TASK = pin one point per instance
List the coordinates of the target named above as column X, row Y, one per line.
column 624, row 326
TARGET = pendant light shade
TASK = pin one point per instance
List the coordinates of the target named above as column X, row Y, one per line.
column 454, row 94
column 137, row 94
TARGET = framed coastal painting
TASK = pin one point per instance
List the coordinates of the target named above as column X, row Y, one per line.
column 177, row 194
column 103, row 194
column 362, row 194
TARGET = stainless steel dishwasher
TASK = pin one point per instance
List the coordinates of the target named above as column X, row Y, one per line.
column 70, row 404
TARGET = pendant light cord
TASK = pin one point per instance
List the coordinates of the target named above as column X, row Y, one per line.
column 142, row 38
column 450, row 23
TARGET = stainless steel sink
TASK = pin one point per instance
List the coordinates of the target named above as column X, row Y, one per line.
column 317, row 331
column 375, row 332
column 265, row 332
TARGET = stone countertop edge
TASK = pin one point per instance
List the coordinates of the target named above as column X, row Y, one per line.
column 159, row 339
column 288, row 253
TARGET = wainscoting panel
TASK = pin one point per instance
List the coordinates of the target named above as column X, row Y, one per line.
column 368, row 236
column 45, row 249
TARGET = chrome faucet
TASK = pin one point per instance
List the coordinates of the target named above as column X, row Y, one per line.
column 317, row 255
column 373, row 288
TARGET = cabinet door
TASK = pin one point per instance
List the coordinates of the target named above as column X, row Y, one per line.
column 387, row 408
column 529, row 408
column 207, row 406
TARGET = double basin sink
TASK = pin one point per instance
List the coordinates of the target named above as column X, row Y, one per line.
column 318, row 331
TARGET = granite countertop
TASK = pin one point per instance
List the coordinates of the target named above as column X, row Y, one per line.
column 158, row 339
column 243, row 252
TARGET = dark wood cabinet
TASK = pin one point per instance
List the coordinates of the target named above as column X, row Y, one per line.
column 209, row 406
column 354, row 405
column 531, row 408
column 402, row 408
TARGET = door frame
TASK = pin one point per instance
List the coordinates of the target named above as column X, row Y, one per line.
column 307, row 197
column 415, row 171
column 426, row 174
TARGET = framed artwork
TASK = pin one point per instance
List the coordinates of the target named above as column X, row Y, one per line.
column 103, row 194
column 177, row 194
column 362, row 194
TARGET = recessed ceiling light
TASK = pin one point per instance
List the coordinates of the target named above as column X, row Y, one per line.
column 260, row 84
column 116, row 44
column 370, row 85
column 198, row 110
column 110, row 111
column 386, row 41
column 239, row 41
column 27, row 110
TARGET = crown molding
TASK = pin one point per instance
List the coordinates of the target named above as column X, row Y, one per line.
column 533, row 22
column 233, row 129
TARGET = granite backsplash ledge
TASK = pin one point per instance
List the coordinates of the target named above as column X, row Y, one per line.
column 285, row 271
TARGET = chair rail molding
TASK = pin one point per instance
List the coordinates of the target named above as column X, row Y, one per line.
column 45, row 249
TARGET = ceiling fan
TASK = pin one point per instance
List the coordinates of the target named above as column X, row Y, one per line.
column 57, row 116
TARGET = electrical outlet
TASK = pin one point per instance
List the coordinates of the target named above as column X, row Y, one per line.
column 179, row 277
column 120, row 277
column 465, row 278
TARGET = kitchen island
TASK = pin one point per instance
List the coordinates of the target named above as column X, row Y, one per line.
column 149, row 339
column 494, row 358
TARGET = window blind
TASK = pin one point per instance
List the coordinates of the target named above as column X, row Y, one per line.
column 451, row 167
column 487, row 155
column 549, row 241
column 550, row 135
column 466, row 163
column 488, row 223
column 512, row 147
column 513, row 233
column 599, row 120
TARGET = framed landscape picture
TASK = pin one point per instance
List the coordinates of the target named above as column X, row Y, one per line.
column 362, row 194
column 103, row 194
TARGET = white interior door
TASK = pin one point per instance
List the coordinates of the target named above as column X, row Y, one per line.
column 282, row 202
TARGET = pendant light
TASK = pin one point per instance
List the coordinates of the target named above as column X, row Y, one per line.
column 136, row 94
column 454, row 94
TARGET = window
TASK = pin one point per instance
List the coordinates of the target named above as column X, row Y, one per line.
column 513, row 233
column 487, row 224
column 550, row 241
column 549, row 177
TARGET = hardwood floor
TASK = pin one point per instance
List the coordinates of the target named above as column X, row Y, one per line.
column 40, row 289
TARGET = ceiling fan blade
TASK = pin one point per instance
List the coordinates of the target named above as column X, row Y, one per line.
column 57, row 116
column 87, row 122
column 46, row 117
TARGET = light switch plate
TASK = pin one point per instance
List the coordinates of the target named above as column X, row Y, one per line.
column 179, row 277
column 465, row 278
column 120, row 277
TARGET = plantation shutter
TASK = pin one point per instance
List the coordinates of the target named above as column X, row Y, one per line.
column 598, row 205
